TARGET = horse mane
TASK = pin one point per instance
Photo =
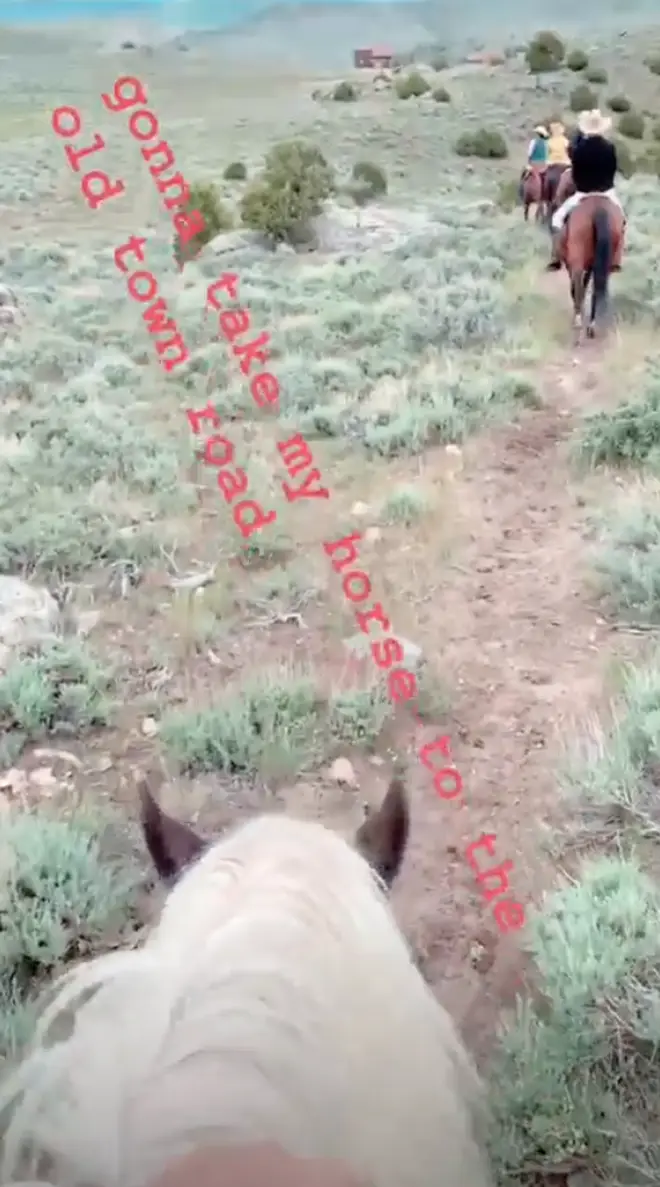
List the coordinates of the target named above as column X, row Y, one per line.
column 275, row 1000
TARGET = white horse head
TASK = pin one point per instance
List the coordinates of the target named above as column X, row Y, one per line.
column 274, row 1001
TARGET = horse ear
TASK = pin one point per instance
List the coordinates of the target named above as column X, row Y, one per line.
column 172, row 846
column 383, row 837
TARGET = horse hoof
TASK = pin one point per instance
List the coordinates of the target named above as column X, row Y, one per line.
column 591, row 331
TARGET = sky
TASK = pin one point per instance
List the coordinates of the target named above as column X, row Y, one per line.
column 186, row 13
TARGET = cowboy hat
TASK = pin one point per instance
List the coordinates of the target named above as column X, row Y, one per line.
column 592, row 123
column 557, row 128
column 541, row 130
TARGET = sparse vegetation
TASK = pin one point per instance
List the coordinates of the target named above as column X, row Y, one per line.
column 577, row 60
column 276, row 724
column 625, row 159
column 61, row 687
column 291, row 190
column 235, row 171
column 60, row 899
column 619, row 104
column 582, row 98
column 484, row 142
column 631, row 125
column 545, row 53
column 404, row 331
column 653, row 64
column 344, row 92
column 412, row 85
column 217, row 218
column 371, row 177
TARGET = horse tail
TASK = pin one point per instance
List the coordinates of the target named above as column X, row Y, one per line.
column 603, row 251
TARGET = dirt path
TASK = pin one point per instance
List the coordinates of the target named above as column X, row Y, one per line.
column 530, row 654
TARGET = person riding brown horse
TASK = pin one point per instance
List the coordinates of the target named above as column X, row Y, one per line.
column 532, row 193
column 531, row 180
column 593, row 170
column 591, row 248
column 559, row 163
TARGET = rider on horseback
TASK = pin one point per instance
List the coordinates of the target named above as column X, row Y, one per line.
column 537, row 153
column 594, row 169
column 558, row 146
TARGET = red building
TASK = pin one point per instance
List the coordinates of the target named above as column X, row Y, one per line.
column 377, row 58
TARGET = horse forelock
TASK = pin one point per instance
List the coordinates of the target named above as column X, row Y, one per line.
column 274, row 1000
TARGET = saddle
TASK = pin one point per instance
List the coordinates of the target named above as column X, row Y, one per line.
column 577, row 237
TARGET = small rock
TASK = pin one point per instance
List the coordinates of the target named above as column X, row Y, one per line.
column 43, row 777
column 13, row 782
column 372, row 534
column 28, row 615
column 86, row 620
column 342, row 772
column 150, row 727
column 412, row 654
column 360, row 509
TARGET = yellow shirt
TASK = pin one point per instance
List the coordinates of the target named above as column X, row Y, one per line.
column 558, row 150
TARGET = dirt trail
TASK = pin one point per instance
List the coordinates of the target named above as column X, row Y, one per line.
column 517, row 631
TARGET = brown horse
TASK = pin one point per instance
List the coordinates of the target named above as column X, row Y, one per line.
column 531, row 187
column 554, row 184
column 591, row 247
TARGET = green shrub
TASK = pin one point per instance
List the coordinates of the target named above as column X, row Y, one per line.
column 441, row 95
column 653, row 63
column 273, row 723
column 627, row 435
column 371, row 177
column 627, row 560
column 649, row 161
column 508, row 195
column 59, row 898
column 539, row 60
column 295, row 182
column 575, row 1064
column 655, row 130
column 217, row 218
column 439, row 62
column 236, row 171
column 484, row 142
column 625, row 160
column 59, row 687
column 344, row 92
column 631, row 125
column 596, row 75
column 551, row 43
column 577, row 60
column 412, row 85
column 582, row 98
column 619, row 104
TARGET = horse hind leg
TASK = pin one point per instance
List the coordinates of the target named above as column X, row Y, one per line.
column 577, row 295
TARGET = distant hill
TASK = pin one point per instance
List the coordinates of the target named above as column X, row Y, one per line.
column 323, row 34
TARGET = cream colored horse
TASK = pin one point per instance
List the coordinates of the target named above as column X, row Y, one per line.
column 275, row 1001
